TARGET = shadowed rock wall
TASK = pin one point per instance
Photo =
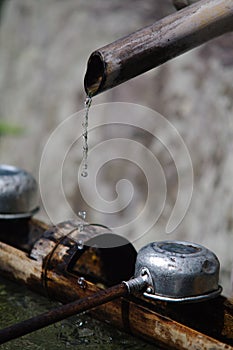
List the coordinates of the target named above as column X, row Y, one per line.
column 44, row 46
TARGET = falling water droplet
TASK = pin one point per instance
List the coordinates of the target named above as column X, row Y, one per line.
column 82, row 214
column 80, row 244
column 82, row 283
column 80, row 227
column 84, row 173
column 80, row 323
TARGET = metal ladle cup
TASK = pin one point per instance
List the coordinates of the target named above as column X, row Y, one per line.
column 18, row 193
column 168, row 270
column 179, row 271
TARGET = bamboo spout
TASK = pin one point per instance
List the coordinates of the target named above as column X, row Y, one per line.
column 152, row 46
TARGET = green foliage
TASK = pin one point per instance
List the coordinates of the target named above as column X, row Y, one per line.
column 7, row 129
column 1, row 7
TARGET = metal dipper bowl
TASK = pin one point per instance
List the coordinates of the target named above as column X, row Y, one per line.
column 179, row 271
column 18, row 193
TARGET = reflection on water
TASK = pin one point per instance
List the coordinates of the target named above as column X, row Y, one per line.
column 77, row 332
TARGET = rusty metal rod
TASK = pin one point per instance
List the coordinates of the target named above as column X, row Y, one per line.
column 43, row 320
column 151, row 46
column 22, row 328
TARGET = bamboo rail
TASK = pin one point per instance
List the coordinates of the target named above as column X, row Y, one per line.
column 153, row 45
column 200, row 326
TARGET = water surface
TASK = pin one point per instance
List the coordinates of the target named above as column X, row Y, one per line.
column 78, row 332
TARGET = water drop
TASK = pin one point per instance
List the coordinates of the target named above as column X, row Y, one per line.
column 80, row 324
column 84, row 173
column 82, row 283
column 80, row 227
column 82, row 214
column 80, row 245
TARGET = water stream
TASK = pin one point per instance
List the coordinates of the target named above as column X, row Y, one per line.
column 88, row 102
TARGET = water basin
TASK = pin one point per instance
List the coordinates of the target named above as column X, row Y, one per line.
column 78, row 332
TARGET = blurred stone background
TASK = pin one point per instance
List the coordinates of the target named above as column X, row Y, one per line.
column 44, row 47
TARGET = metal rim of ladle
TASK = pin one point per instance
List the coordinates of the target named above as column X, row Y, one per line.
column 20, row 215
column 189, row 299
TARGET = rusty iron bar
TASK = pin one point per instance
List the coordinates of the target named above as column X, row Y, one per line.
column 153, row 45
column 25, row 327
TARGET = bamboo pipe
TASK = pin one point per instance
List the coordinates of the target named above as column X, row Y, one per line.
column 153, row 45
